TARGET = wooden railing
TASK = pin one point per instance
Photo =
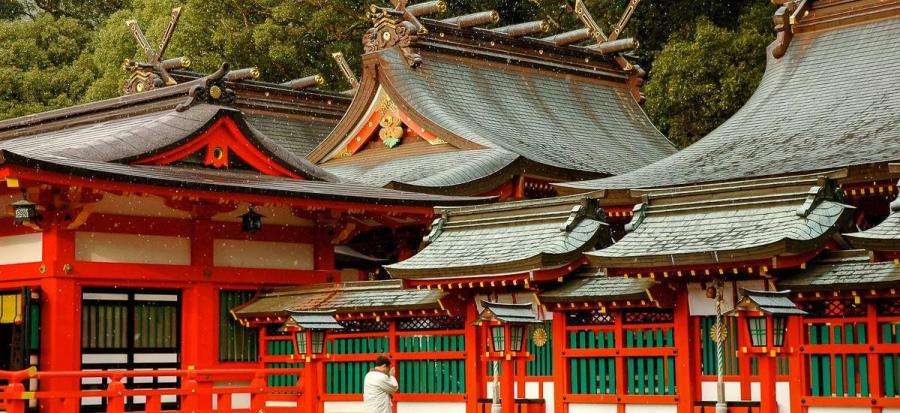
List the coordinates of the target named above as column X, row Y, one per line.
column 195, row 394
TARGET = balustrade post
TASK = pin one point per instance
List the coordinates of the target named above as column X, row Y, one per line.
column 189, row 401
column 153, row 404
column 257, row 392
column 115, row 395
column 13, row 396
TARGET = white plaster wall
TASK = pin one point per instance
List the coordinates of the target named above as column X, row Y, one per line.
column 840, row 410
column 700, row 305
column 431, row 407
column 592, row 408
column 130, row 248
column 708, row 391
column 16, row 249
column 259, row 254
column 548, row 398
column 783, row 396
column 755, row 391
column 891, row 410
column 651, row 408
column 343, row 407
column 532, row 389
column 274, row 215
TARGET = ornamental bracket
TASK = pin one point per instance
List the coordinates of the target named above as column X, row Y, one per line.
column 788, row 14
column 394, row 28
column 211, row 89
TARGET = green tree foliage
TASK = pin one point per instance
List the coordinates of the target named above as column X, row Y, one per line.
column 700, row 78
column 42, row 64
column 704, row 57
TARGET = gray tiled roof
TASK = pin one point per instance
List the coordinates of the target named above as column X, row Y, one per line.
column 344, row 297
column 508, row 313
column 132, row 137
column 299, row 136
column 561, row 120
column 421, row 164
column 831, row 101
column 733, row 225
column 844, row 271
column 599, row 288
column 506, row 238
column 882, row 237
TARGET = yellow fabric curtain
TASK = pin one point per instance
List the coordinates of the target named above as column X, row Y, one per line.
column 10, row 308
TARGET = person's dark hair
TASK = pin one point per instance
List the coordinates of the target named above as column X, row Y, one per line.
column 382, row 361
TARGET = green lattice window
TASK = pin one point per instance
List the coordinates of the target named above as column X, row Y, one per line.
column 592, row 375
column 652, row 375
column 428, row 376
column 104, row 325
column 890, row 334
column 346, row 377
column 838, row 375
column 284, row 347
column 236, row 342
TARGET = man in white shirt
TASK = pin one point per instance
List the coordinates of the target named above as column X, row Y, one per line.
column 378, row 387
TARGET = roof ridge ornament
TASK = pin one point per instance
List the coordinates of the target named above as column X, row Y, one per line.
column 437, row 228
column 211, row 89
column 581, row 211
column 154, row 72
column 639, row 213
column 785, row 17
column 394, row 28
column 825, row 189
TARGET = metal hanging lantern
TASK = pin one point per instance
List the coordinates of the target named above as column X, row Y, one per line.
column 251, row 221
column 24, row 211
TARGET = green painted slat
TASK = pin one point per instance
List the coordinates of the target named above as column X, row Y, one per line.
column 827, row 389
column 592, row 376
column 649, row 339
column 815, row 372
column 629, row 342
column 851, row 376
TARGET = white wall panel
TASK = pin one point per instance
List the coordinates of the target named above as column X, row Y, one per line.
column 131, row 248
column 17, row 249
column 259, row 254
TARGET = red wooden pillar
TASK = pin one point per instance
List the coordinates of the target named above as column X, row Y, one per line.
column 475, row 376
column 199, row 311
column 796, row 364
column 767, row 403
column 507, row 386
column 61, row 309
column 875, row 369
column 621, row 373
column 311, row 379
column 686, row 377
column 560, row 367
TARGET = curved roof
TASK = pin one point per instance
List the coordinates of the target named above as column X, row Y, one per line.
column 831, row 101
column 883, row 237
column 853, row 270
column 742, row 224
column 503, row 239
column 131, row 137
column 562, row 120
